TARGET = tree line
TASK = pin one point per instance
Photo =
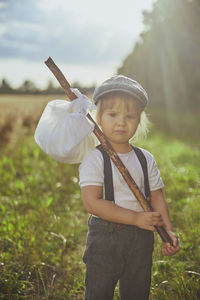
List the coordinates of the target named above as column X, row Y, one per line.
column 28, row 87
column 166, row 58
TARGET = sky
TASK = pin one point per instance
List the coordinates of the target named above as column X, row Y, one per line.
column 87, row 39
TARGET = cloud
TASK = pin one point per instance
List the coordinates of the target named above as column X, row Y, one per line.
column 32, row 32
column 26, row 11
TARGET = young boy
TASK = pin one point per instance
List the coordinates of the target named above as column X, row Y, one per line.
column 120, row 238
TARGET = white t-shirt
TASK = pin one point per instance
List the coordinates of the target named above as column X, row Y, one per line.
column 91, row 173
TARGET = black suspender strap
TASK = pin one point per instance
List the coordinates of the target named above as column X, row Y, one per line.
column 108, row 177
column 143, row 162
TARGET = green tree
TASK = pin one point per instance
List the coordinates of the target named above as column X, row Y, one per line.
column 5, row 87
column 166, row 58
column 28, row 87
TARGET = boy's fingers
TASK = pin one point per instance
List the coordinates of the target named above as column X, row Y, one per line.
column 158, row 222
column 156, row 214
column 171, row 251
column 174, row 239
column 168, row 251
column 152, row 228
column 157, row 217
column 175, row 242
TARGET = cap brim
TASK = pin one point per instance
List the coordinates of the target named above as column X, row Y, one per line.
column 131, row 93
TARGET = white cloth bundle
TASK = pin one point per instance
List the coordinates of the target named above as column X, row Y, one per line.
column 64, row 132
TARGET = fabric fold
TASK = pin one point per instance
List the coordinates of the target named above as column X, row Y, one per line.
column 64, row 132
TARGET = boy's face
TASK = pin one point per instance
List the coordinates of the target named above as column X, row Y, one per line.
column 119, row 123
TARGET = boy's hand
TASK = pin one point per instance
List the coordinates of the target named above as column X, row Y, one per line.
column 147, row 220
column 171, row 250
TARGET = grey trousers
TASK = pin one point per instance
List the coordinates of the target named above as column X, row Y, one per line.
column 116, row 252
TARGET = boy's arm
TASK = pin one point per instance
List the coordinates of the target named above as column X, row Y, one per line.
column 159, row 204
column 107, row 210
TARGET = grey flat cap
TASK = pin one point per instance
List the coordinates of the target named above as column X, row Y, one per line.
column 121, row 83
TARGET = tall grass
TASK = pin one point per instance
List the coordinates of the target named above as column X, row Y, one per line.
column 43, row 224
column 19, row 115
column 178, row 277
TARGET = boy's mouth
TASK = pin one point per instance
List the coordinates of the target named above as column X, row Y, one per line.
column 119, row 131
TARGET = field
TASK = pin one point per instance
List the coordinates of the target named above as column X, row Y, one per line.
column 43, row 223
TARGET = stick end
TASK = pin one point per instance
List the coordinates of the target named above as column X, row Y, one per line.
column 48, row 60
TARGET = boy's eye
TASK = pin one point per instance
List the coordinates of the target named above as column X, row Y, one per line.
column 130, row 117
column 112, row 114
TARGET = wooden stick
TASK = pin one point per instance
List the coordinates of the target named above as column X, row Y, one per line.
column 145, row 203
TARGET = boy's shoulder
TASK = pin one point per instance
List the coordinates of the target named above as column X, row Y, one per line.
column 148, row 155
column 93, row 155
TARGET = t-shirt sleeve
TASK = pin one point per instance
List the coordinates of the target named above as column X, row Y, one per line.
column 155, row 180
column 91, row 169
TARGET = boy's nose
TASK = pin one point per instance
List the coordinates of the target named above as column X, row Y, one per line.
column 121, row 120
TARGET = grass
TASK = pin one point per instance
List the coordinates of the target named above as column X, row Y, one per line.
column 178, row 277
column 43, row 224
